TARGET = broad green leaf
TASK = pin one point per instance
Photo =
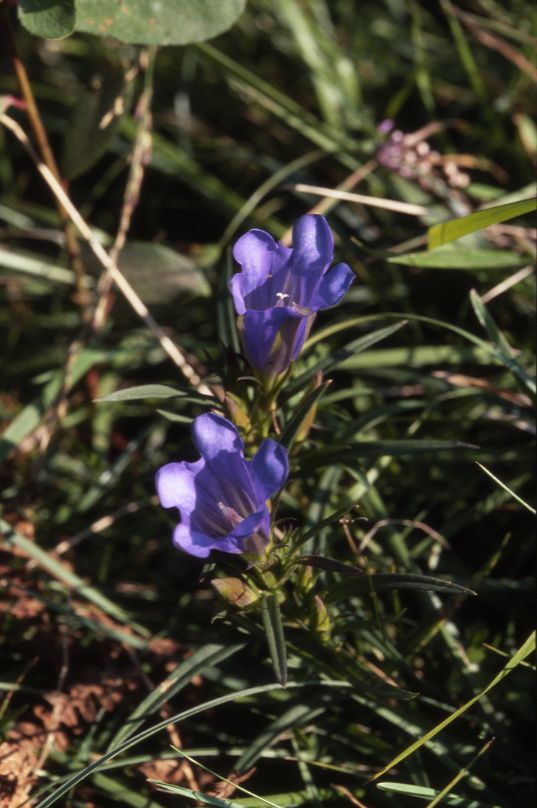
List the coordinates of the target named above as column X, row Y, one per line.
column 382, row 582
column 457, row 257
column 50, row 19
column 457, row 228
column 157, row 22
column 160, row 274
column 272, row 623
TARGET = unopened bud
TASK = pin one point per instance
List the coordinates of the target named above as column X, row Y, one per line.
column 234, row 591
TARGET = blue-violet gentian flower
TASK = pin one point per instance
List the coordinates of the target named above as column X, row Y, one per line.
column 280, row 289
column 222, row 497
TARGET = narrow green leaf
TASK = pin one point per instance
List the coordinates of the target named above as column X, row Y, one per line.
column 382, row 582
column 527, row 648
column 226, row 318
column 123, row 796
column 503, row 349
column 30, row 417
column 329, row 564
column 467, row 258
column 424, row 793
column 197, row 796
column 301, row 412
column 219, row 777
column 295, row 716
column 336, row 358
column 272, row 623
column 36, row 267
column 63, row 574
column 289, row 799
column 96, row 765
column 457, row 228
column 175, row 417
column 142, row 392
column 207, row 656
column 329, row 520
column 350, row 452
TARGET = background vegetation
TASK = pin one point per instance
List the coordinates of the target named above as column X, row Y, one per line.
column 170, row 154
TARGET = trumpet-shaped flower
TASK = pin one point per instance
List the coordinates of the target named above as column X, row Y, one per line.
column 222, row 497
column 280, row 289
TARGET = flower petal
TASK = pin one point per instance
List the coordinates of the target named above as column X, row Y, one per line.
column 312, row 241
column 333, row 287
column 176, row 485
column 312, row 253
column 270, row 467
column 260, row 331
column 213, row 434
column 259, row 256
column 200, row 545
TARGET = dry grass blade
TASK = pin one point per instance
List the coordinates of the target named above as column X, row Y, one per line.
column 175, row 354
column 362, row 199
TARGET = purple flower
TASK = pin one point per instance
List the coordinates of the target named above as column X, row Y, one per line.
column 222, row 497
column 280, row 290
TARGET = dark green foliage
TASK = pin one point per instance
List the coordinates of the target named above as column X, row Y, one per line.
column 392, row 523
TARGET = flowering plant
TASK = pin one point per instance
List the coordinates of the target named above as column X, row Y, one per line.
column 279, row 291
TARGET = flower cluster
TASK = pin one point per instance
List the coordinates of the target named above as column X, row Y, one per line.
column 223, row 497
column 410, row 156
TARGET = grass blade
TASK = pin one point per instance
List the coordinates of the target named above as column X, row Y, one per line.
column 524, row 651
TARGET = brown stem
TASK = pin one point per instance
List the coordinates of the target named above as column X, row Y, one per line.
column 43, row 145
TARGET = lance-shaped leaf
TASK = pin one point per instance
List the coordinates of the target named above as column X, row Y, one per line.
column 383, row 582
column 272, row 623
